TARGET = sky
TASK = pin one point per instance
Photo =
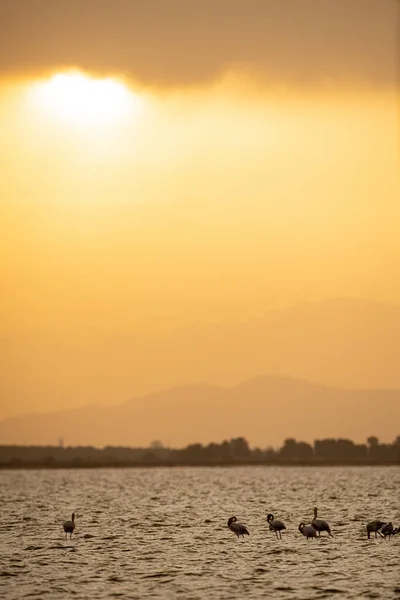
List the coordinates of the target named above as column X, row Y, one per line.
column 172, row 170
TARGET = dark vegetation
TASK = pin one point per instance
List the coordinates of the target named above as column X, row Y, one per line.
column 233, row 452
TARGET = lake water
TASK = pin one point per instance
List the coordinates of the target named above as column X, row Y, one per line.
column 162, row 533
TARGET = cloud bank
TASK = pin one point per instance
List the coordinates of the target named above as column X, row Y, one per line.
column 183, row 42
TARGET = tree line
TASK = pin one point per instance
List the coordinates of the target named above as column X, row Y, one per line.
column 331, row 451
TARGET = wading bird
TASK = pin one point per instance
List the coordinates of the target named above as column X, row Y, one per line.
column 320, row 525
column 69, row 527
column 275, row 525
column 375, row 526
column 307, row 530
column 236, row 527
column 388, row 530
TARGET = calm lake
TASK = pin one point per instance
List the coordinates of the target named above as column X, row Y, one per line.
column 162, row 533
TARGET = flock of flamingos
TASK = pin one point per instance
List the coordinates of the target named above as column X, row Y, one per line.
column 309, row 531
column 315, row 527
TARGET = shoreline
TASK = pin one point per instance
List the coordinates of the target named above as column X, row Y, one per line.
column 164, row 465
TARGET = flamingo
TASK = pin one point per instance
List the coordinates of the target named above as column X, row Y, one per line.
column 375, row 526
column 307, row 530
column 275, row 525
column 389, row 530
column 320, row 525
column 69, row 527
column 236, row 527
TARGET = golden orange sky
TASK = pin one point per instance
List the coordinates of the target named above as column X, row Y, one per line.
column 143, row 212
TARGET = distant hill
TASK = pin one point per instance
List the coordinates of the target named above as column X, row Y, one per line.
column 265, row 410
column 346, row 343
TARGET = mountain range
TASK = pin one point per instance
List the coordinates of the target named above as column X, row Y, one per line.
column 265, row 410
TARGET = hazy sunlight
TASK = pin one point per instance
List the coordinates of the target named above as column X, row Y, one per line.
column 81, row 99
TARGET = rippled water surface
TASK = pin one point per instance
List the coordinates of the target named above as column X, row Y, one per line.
column 162, row 533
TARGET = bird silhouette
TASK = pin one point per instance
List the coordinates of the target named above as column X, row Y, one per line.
column 69, row 526
column 236, row 527
column 307, row 530
column 275, row 525
column 320, row 525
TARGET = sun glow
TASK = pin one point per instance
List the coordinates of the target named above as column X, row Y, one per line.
column 81, row 99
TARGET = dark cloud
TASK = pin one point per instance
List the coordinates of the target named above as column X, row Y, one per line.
column 188, row 41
